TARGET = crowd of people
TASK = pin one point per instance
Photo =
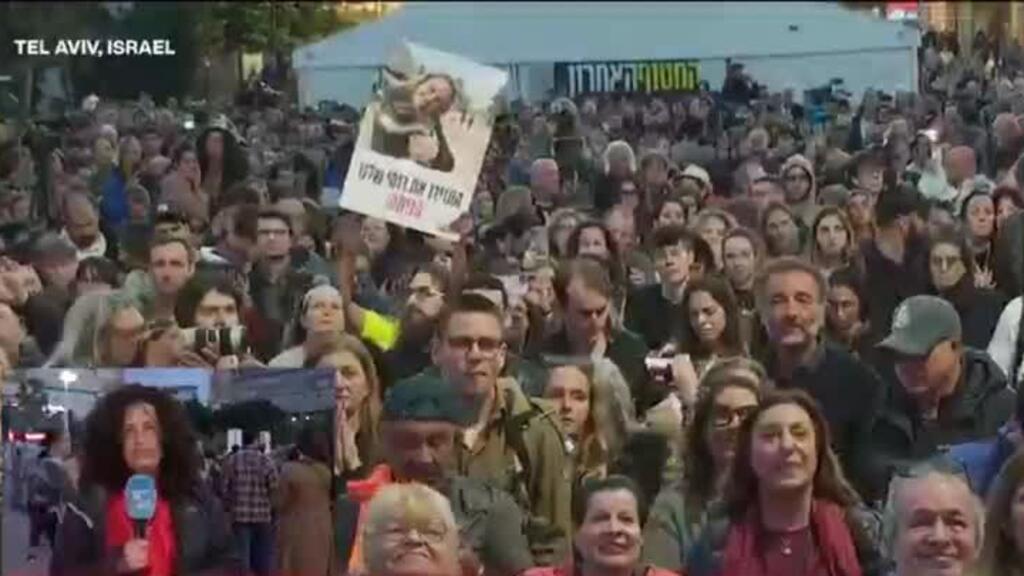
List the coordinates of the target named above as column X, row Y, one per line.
column 705, row 333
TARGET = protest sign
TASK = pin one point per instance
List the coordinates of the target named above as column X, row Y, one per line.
column 422, row 140
column 573, row 79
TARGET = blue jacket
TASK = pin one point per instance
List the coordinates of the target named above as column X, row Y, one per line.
column 114, row 208
column 983, row 459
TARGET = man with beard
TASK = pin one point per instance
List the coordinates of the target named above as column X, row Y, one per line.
column 897, row 251
column 82, row 226
column 790, row 296
column 420, row 430
column 410, row 354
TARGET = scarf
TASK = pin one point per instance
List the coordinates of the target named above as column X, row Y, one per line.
column 362, row 491
column 831, row 536
column 159, row 533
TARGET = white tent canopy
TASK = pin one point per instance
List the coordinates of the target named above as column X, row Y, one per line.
column 525, row 34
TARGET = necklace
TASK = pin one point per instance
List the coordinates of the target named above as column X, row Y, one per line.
column 786, row 543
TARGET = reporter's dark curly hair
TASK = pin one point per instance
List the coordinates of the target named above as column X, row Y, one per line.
column 104, row 464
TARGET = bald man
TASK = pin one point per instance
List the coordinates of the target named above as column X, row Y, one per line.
column 82, row 226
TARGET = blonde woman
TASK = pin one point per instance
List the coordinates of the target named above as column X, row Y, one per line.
column 410, row 530
column 357, row 404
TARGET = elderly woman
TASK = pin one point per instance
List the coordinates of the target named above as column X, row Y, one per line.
column 357, row 396
column 410, row 530
column 100, row 330
column 608, row 515
column 788, row 509
column 732, row 391
column 141, row 430
column 321, row 318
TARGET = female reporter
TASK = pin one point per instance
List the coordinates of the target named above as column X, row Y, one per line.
column 142, row 430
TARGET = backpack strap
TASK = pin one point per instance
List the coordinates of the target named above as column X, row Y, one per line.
column 515, row 430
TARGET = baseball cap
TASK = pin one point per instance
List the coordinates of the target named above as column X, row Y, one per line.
column 919, row 324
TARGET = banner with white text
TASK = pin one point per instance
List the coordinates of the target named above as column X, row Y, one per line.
column 422, row 140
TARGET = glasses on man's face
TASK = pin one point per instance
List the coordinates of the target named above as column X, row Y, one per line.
column 464, row 344
column 945, row 262
column 727, row 416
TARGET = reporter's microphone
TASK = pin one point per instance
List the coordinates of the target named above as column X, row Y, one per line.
column 140, row 500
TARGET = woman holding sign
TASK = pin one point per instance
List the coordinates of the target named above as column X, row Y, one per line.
column 135, row 437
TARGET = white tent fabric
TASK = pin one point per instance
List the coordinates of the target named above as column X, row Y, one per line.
column 519, row 34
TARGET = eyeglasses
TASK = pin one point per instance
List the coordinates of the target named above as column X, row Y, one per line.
column 466, row 343
column 945, row 261
column 725, row 416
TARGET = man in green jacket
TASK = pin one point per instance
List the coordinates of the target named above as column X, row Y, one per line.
column 511, row 442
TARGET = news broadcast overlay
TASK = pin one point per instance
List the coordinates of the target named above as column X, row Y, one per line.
column 423, row 139
column 576, row 78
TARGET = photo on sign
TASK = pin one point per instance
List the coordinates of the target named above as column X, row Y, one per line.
column 422, row 140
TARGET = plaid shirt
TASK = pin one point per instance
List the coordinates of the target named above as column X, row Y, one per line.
column 250, row 480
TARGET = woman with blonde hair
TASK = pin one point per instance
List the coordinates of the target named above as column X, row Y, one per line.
column 357, row 395
column 100, row 330
column 398, row 512
column 1002, row 553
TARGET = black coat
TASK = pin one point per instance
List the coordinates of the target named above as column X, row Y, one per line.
column 849, row 393
column 980, row 405
column 979, row 310
column 203, row 538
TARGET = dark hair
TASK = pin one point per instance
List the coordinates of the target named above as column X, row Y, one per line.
column 182, row 149
column 484, row 281
column 1006, row 192
column 197, row 287
column 593, row 486
column 271, row 214
column 609, row 240
column 236, row 166
column 314, row 442
column 722, row 293
column 751, row 237
column 828, row 483
column 244, row 221
column 770, row 209
column 849, row 277
column 700, row 473
column 954, row 237
column 894, row 203
column 441, row 277
column 103, row 460
column 100, row 268
column 673, row 235
column 468, row 304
